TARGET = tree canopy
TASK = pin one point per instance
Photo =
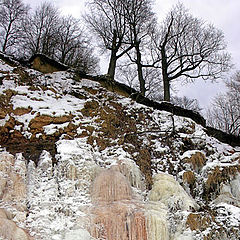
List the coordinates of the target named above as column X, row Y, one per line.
column 189, row 48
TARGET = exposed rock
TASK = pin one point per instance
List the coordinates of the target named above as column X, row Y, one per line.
column 2, row 114
column 39, row 122
column 45, row 64
column 189, row 178
column 21, row 111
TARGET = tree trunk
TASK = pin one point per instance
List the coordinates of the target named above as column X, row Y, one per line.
column 113, row 59
column 6, row 37
column 4, row 45
column 140, row 69
column 166, row 87
column 112, row 64
column 166, row 81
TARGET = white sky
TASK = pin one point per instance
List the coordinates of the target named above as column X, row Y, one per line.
column 224, row 14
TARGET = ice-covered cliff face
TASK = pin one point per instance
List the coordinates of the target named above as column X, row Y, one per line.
column 80, row 162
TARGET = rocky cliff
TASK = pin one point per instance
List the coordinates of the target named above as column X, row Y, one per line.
column 78, row 161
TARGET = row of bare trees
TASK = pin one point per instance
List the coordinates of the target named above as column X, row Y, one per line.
column 225, row 111
column 44, row 30
column 181, row 47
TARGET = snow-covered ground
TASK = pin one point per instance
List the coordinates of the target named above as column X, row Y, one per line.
column 196, row 179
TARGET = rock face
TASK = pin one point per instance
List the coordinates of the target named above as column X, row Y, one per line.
column 45, row 64
column 80, row 162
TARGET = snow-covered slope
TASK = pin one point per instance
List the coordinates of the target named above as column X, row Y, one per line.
column 80, row 162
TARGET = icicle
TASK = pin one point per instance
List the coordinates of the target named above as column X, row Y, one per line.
column 118, row 221
column 110, row 185
column 45, row 164
column 157, row 223
column 137, row 226
column 235, row 187
column 12, row 184
column 115, row 215
column 133, row 174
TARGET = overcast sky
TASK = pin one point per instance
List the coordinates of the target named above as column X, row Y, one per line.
column 224, row 14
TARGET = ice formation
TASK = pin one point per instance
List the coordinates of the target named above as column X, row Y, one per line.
column 230, row 192
column 158, row 226
column 115, row 215
column 109, row 186
column 169, row 192
column 12, row 192
column 9, row 230
column 79, row 234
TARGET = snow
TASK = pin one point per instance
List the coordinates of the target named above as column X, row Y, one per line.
column 59, row 194
column 52, row 128
column 89, row 83
column 47, row 103
column 230, row 213
column 187, row 235
column 3, row 121
column 79, row 234
column 5, row 67
column 189, row 153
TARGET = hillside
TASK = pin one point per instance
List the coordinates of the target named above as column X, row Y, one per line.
column 78, row 161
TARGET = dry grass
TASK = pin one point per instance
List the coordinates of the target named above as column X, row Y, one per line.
column 220, row 175
column 197, row 221
column 197, row 161
column 189, row 178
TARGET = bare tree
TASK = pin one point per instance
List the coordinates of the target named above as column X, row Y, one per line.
column 128, row 74
column 84, row 59
column 141, row 21
column 225, row 111
column 74, row 47
column 41, row 30
column 107, row 20
column 70, row 38
column 187, row 103
column 12, row 13
column 188, row 48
